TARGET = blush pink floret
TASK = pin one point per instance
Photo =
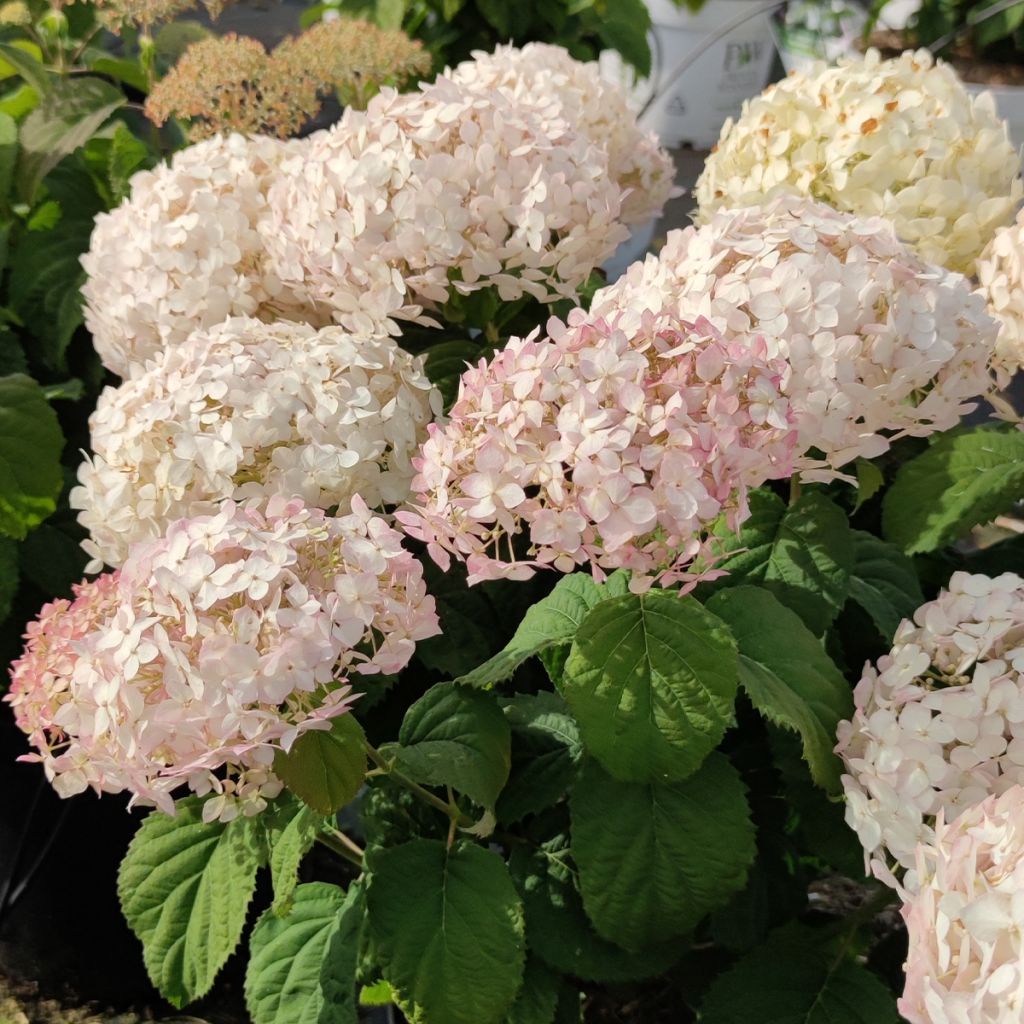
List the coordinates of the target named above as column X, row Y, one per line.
column 603, row 446
column 215, row 647
column 966, row 958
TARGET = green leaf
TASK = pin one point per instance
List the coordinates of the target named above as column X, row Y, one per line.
column 803, row 554
column 292, row 829
column 8, row 154
column 497, row 14
column 655, row 858
column 545, row 750
column 557, row 929
column 624, row 27
column 18, row 103
column 651, row 679
column 31, row 443
column 795, row 977
column 550, row 622
column 446, row 362
column 65, row 119
column 325, row 769
column 185, row 887
column 787, row 675
column 23, row 58
column 456, row 736
column 52, row 560
column 964, row 479
column 380, row 993
column 302, row 967
column 8, row 575
column 537, row 1001
column 869, row 482
column 127, row 155
column 448, row 930
column 884, row 583
column 390, row 13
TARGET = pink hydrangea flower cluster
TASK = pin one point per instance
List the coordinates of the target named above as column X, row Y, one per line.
column 182, row 252
column 966, row 955
column 247, row 410
column 215, row 647
column 561, row 89
column 601, row 445
column 1001, row 279
column 939, row 724
column 446, row 189
column 879, row 344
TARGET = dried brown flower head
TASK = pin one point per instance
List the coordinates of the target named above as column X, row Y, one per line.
column 232, row 83
column 355, row 58
column 146, row 13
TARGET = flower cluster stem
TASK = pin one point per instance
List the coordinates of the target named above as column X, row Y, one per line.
column 340, row 844
column 449, row 808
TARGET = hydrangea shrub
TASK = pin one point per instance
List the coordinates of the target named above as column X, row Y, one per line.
column 532, row 644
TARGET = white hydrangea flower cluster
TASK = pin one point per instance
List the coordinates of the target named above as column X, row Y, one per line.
column 899, row 138
column 965, row 963
column 447, row 189
column 1001, row 277
column 214, row 648
column 183, row 252
column 939, row 724
column 248, row 410
column 879, row 344
column 561, row 89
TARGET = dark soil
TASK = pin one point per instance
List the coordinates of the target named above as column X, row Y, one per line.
column 969, row 66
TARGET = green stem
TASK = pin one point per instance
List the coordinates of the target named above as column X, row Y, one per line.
column 342, row 849
column 794, row 489
column 450, row 809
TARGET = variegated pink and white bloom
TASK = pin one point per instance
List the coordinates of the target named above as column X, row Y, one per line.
column 966, row 958
column 561, row 89
column 440, row 192
column 939, row 723
column 601, row 446
column 878, row 344
column 215, row 647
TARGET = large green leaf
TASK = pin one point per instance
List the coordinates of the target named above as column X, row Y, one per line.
column 557, row 928
column 446, row 362
column 550, row 622
column 787, row 674
column 623, row 26
column 302, row 967
column 537, row 1002
column 794, row 978
column 31, row 443
column 884, row 582
column 65, row 119
column 185, row 887
column 655, row 858
column 8, row 155
column 8, row 575
column 326, row 768
column 447, row 926
column 291, row 830
column 456, row 736
column 25, row 59
column 545, row 750
column 651, row 679
column 802, row 553
column 963, row 479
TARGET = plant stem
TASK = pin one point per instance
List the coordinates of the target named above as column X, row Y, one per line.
column 794, row 489
column 450, row 809
column 342, row 846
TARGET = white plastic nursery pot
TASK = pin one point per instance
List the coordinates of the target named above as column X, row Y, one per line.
column 1009, row 104
column 693, row 108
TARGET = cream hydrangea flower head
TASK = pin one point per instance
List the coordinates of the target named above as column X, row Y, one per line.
column 879, row 344
column 250, row 410
column 939, row 723
column 600, row 446
column 446, row 189
column 897, row 138
column 560, row 88
column 215, row 647
column 966, row 952
column 1001, row 277
column 182, row 252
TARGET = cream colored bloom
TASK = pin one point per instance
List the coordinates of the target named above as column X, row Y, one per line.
column 251, row 410
column 1001, row 277
column 562, row 89
column 898, row 138
column 182, row 253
